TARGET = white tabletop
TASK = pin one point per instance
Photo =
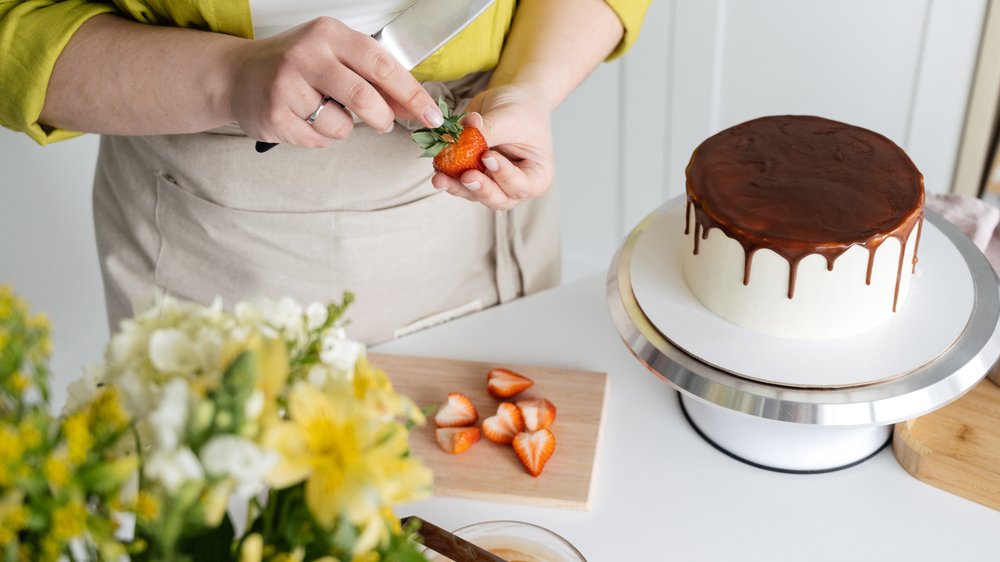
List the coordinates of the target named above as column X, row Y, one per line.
column 662, row 493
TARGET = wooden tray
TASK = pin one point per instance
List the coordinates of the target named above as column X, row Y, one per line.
column 956, row 448
column 491, row 471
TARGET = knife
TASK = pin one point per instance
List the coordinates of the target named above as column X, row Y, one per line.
column 419, row 31
column 453, row 546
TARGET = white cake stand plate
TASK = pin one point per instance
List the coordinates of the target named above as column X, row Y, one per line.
column 785, row 404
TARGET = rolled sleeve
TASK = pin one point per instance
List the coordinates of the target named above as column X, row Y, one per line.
column 32, row 35
column 631, row 13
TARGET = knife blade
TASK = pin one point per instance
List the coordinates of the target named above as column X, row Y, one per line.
column 419, row 31
column 451, row 545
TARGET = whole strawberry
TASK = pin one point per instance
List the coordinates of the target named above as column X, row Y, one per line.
column 454, row 148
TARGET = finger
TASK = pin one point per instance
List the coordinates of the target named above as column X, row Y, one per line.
column 518, row 182
column 333, row 121
column 477, row 121
column 452, row 186
column 377, row 66
column 296, row 131
column 485, row 190
column 354, row 92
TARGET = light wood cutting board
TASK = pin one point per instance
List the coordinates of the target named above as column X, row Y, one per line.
column 491, row 471
column 956, row 448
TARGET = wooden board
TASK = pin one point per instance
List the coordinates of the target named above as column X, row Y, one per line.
column 491, row 471
column 957, row 448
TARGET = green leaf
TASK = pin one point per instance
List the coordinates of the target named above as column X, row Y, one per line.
column 444, row 107
column 424, row 139
column 433, row 151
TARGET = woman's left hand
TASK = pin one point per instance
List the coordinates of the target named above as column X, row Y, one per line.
column 520, row 163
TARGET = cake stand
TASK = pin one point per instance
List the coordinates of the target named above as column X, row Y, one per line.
column 803, row 418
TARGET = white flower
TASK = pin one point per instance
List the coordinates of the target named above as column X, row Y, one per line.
column 170, row 416
column 174, row 468
column 173, row 352
column 138, row 392
column 83, row 390
column 316, row 315
column 255, row 405
column 318, row 375
column 240, row 459
column 340, row 353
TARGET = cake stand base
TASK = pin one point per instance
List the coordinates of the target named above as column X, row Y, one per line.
column 783, row 446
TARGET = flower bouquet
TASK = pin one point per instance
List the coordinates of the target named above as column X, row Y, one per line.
column 257, row 435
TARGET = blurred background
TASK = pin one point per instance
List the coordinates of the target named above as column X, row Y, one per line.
column 925, row 73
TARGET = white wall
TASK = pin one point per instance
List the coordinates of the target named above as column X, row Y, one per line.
column 900, row 67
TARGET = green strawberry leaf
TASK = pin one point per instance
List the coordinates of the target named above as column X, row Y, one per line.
column 433, row 151
column 424, row 138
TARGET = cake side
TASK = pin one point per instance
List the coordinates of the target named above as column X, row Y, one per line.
column 802, row 227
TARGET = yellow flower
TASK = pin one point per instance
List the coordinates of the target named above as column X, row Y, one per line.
column 147, row 507
column 78, row 437
column 69, row 521
column 13, row 516
column 11, row 447
column 55, row 470
column 19, row 382
column 29, row 435
column 353, row 461
column 252, row 549
column 107, row 412
column 39, row 322
column 4, row 334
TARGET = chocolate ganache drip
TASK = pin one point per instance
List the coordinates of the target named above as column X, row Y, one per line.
column 800, row 185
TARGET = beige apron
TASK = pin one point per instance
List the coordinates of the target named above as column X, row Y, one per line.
column 204, row 215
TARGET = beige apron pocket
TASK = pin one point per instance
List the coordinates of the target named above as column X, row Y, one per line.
column 209, row 250
column 415, row 260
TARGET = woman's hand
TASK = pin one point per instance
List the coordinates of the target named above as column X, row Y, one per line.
column 520, row 163
column 279, row 81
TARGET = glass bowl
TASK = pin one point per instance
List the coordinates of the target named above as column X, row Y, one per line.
column 517, row 541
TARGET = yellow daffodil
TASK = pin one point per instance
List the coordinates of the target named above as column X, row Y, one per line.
column 352, row 461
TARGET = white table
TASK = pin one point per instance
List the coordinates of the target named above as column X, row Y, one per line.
column 662, row 493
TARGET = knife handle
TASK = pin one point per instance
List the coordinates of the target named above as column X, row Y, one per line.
column 263, row 147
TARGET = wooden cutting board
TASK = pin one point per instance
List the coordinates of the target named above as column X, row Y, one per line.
column 490, row 471
column 956, row 448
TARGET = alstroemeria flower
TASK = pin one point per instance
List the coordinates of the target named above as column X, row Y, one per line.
column 352, row 460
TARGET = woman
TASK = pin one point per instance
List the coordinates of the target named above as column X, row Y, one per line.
column 182, row 201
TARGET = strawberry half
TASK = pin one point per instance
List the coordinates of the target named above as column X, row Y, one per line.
column 504, row 383
column 456, row 440
column 458, row 411
column 534, row 449
column 502, row 427
column 538, row 413
column 454, row 148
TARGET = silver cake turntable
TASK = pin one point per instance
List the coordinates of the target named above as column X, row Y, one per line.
column 795, row 405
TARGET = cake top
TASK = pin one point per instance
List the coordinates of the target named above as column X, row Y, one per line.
column 798, row 180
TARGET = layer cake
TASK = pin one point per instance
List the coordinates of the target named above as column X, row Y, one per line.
column 801, row 227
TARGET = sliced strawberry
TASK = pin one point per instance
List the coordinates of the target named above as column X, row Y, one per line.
column 534, row 449
column 538, row 413
column 458, row 411
column 504, row 383
column 456, row 440
column 502, row 427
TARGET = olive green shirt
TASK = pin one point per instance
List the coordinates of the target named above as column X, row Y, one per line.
column 34, row 32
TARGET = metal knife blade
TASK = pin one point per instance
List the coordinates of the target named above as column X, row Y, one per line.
column 425, row 26
column 419, row 31
column 451, row 545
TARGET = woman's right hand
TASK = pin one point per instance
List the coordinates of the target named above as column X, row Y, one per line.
column 279, row 81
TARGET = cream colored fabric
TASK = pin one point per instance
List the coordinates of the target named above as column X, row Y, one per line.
column 205, row 215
